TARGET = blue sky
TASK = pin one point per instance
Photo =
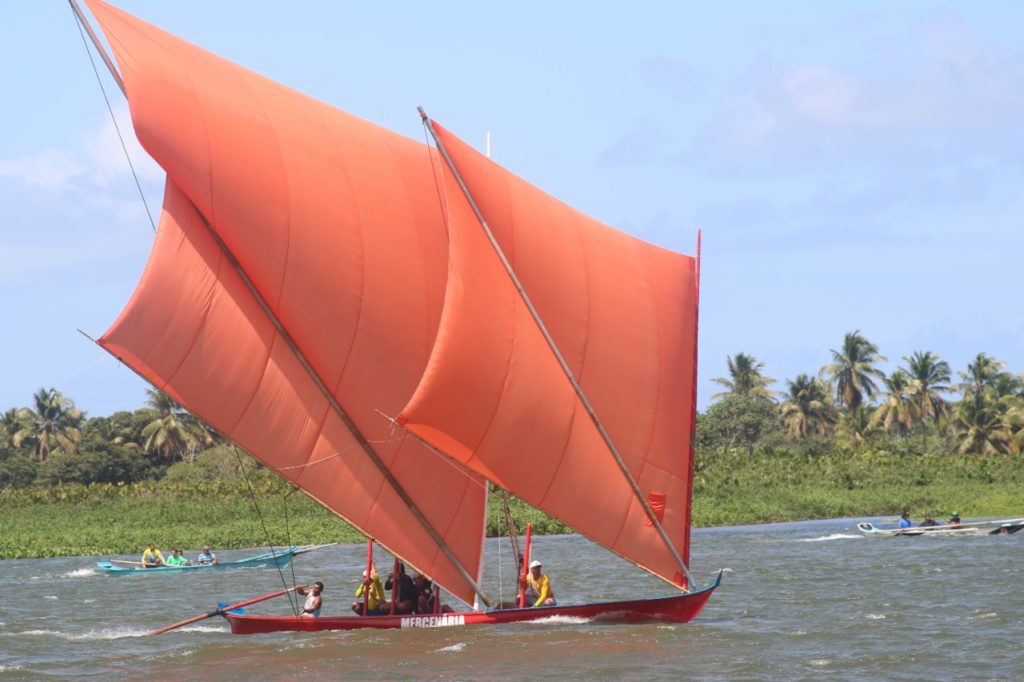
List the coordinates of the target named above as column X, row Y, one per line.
column 852, row 165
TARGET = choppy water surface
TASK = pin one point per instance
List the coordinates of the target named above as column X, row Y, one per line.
column 800, row 601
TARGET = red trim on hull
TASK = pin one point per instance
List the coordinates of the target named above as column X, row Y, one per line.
column 682, row 608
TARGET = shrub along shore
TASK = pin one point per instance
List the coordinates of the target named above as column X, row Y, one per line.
column 729, row 489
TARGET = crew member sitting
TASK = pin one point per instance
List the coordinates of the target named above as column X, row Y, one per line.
column 538, row 587
column 406, row 601
column 177, row 559
column 206, row 557
column 152, row 557
column 373, row 592
column 954, row 520
column 905, row 521
column 928, row 521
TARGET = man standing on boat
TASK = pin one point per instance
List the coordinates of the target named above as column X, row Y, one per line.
column 152, row 557
column 538, row 587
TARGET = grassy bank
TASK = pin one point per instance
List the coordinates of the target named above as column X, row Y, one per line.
column 728, row 489
column 734, row 489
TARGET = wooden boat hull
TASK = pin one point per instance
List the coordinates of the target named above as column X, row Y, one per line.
column 279, row 559
column 1003, row 527
column 682, row 608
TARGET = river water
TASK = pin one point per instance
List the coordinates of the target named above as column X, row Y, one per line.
column 800, row 601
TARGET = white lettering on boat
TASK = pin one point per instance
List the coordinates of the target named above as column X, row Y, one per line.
column 433, row 621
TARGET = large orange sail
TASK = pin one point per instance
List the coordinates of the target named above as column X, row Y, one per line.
column 621, row 311
column 300, row 262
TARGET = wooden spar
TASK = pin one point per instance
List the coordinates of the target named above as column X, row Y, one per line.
column 219, row 611
column 627, row 474
column 693, row 400
column 286, row 337
column 96, row 43
column 525, row 569
column 122, row 561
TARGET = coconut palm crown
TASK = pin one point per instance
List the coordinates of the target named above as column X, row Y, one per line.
column 853, row 371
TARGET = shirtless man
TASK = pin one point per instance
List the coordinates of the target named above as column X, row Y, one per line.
column 311, row 609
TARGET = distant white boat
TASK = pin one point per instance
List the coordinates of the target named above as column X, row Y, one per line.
column 1003, row 527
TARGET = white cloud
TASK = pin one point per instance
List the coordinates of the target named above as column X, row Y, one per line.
column 109, row 165
column 50, row 169
column 942, row 94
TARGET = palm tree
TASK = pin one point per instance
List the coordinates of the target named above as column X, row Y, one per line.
column 807, row 409
column 982, row 422
column 898, row 410
column 853, row 370
column 174, row 431
column 929, row 378
column 10, row 424
column 980, row 428
column 745, row 378
column 55, row 424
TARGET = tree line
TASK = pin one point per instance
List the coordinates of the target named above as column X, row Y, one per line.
column 52, row 441
column 852, row 405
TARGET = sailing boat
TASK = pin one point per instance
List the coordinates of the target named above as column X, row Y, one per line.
column 391, row 325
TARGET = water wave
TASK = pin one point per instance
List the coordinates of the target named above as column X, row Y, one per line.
column 562, row 620
column 833, row 536
column 89, row 635
column 80, row 573
column 454, row 647
column 875, row 616
column 203, row 628
column 983, row 615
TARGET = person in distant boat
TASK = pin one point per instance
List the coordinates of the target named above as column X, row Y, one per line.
column 905, row 521
column 177, row 559
column 954, row 520
column 374, row 595
column 206, row 557
column 311, row 609
column 152, row 557
column 928, row 522
column 406, row 601
column 538, row 587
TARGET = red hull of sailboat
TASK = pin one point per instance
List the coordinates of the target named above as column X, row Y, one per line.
column 682, row 608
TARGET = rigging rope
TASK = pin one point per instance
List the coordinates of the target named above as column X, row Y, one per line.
column 117, row 128
column 292, row 598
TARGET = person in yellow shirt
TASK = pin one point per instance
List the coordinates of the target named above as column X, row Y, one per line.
column 538, row 587
column 374, row 595
column 152, row 557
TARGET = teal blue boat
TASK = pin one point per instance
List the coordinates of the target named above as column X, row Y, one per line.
column 275, row 558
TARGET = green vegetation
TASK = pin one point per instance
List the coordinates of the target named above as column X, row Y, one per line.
column 850, row 441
